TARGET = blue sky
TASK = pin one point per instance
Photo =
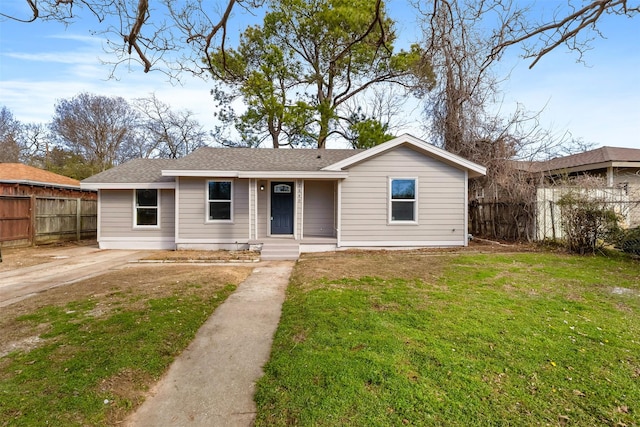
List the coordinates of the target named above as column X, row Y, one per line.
column 598, row 102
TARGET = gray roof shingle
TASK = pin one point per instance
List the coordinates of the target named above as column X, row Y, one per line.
column 223, row 159
column 591, row 157
column 135, row 171
column 261, row 159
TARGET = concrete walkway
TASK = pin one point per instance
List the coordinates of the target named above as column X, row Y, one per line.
column 212, row 382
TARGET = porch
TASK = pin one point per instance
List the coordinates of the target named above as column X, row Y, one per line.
column 302, row 210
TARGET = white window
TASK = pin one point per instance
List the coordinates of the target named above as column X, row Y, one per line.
column 403, row 200
column 219, row 200
column 146, row 208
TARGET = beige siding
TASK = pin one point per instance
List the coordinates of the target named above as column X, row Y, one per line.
column 193, row 223
column 441, row 200
column 116, row 216
column 319, row 211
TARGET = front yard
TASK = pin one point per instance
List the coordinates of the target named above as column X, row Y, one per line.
column 433, row 339
column 87, row 353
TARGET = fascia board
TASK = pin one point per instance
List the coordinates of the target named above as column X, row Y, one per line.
column 125, row 185
column 200, row 173
column 474, row 168
column 293, row 174
column 257, row 174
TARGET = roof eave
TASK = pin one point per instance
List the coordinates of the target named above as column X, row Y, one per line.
column 284, row 174
column 126, row 185
column 475, row 170
column 40, row 184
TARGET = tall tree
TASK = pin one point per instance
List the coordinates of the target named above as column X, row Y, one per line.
column 101, row 129
column 10, row 129
column 173, row 36
column 167, row 133
column 308, row 59
column 463, row 109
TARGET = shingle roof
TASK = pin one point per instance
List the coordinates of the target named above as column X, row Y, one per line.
column 260, row 159
column 591, row 157
column 135, row 171
column 17, row 172
column 222, row 159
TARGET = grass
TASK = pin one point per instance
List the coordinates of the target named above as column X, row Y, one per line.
column 98, row 345
column 457, row 340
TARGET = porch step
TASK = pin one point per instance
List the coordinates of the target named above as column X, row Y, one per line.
column 280, row 250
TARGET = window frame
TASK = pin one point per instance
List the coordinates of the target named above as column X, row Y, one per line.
column 392, row 221
column 136, row 207
column 208, row 202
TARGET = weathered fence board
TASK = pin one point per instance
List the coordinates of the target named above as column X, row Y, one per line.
column 50, row 219
column 15, row 218
column 503, row 221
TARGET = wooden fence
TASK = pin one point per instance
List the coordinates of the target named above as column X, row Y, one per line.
column 542, row 219
column 503, row 221
column 31, row 220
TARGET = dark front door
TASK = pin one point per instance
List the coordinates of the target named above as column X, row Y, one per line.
column 282, row 207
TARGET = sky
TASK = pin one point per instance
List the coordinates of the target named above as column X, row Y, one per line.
column 598, row 103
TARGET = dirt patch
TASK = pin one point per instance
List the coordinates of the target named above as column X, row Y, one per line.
column 126, row 289
column 14, row 258
column 194, row 256
column 424, row 264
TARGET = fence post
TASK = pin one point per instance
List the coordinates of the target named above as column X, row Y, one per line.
column 33, row 220
column 78, row 219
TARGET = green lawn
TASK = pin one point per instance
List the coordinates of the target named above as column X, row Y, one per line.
column 98, row 345
column 457, row 340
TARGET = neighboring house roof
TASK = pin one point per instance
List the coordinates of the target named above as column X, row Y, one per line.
column 262, row 163
column 18, row 173
column 589, row 160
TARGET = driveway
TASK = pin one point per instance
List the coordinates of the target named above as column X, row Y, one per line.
column 63, row 265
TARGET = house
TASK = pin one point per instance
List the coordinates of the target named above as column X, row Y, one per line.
column 618, row 167
column 17, row 179
column 38, row 206
column 403, row 193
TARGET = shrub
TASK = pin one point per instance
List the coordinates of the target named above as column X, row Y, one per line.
column 588, row 222
column 630, row 241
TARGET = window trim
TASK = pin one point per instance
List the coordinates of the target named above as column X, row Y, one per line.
column 390, row 200
column 136, row 207
column 207, row 217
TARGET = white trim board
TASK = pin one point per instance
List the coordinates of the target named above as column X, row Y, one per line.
column 127, row 185
column 406, row 139
column 402, row 243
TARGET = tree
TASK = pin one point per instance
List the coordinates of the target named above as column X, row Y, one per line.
column 463, row 109
column 174, row 36
column 10, row 129
column 258, row 73
column 67, row 163
column 101, row 129
column 573, row 24
column 307, row 60
column 36, row 144
column 167, row 133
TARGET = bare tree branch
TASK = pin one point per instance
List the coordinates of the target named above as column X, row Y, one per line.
column 563, row 30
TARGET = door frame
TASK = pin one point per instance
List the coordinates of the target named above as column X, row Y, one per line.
column 293, row 210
